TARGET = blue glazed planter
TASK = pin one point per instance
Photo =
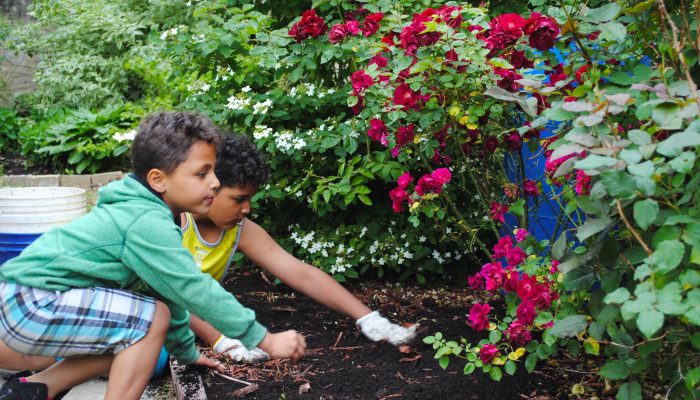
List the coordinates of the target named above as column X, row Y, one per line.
column 12, row 244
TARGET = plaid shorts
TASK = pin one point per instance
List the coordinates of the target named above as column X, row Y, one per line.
column 76, row 322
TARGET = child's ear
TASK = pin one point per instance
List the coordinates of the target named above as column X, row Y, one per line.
column 156, row 180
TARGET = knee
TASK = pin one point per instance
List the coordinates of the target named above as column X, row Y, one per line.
column 161, row 319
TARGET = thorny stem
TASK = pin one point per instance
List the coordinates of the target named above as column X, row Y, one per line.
column 631, row 228
column 574, row 32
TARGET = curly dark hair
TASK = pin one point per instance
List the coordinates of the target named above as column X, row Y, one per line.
column 239, row 163
column 164, row 138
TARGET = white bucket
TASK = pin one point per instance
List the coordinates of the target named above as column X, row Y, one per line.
column 38, row 209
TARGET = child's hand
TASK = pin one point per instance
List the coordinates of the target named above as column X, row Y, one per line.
column 211, row 363
column 377, row 328
column 288, row 344
column 236, row 351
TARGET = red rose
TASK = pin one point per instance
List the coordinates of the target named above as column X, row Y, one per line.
column 530, row 188
column 542, row 30
column 405, row 96
column 398, row 196
column 353, row 27
column 371, row 24
column 310, row 25
column 505, row 31
column 508, row 81
column 513, row 141
column 491, row 143
column 338, row 33
column 488, row 352
column 378, row 59
column 519, row 60
column 360, row 81
column 377, row 131
column 446, row 14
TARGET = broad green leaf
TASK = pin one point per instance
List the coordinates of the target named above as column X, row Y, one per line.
column 568, row 327
column 469, row 368
column 650, row 322
column 613, row 31
column 683, row 163
column 619, row 296
column 695, row 340
column 602, row 14
column 629, row 391
column 618, row 184
column 666, row 115
column 510, row 367
column 559, row 247
column 531, row 362
column 630, row 156
column 639, row 137
column 615, row 369
column 645, row 212
column 496, row 373
column 595, row 161
column 444, row 361
column 592, row 226
column 670, row 301
column 645, row 169
column 692, row 378
column 667, row 256
column 579, row 279
column 673, row 145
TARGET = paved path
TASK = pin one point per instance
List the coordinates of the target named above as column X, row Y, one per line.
column 96, row 389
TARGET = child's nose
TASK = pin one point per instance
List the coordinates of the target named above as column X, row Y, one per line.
column 214, row 184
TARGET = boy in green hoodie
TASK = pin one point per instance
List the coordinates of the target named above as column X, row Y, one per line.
column 83, row 291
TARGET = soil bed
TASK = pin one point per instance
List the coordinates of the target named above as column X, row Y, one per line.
column 341, row 364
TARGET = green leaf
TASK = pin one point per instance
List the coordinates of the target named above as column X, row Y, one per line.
column 568, row 327
column 673, row 145
column 618, row 184
column 592, row 226
column 695, row 340
column 629, row 391
column 444, row 361
column 619, row 296
column 579, row 279
column 531, row 362
column 639, row 137
column 603, row 14
column 614, row 31
column 510, row 367
column 667, row 256
column 650, row 322
column 469, row 368
column 645, row 212
column 645, row 169
column 666, row 115
column 518, row 208
column 670, row 301
column 495, row 336
column 692, row 377
column 683, row 163
column 615, row 369
column 496, row 373
column 595, row 161
column 352, row 101
column 559, row 247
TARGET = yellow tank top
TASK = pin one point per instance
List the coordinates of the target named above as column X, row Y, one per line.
column 212, row 258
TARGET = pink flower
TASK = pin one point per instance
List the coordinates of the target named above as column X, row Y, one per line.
column 310, row 25
column 377, row 131
column 488, row 352
column 510, row 284
column 493, row 275
column 398, row 197
column 405, row 134
column 360, row 81
column 530, row 188
column 544, row 296
column 542, row 30
column 498, row 211
column 518, row 334
column 353, row 27
column 446, row 14
column 405, row 96
column 338, row 33
column 475, row 282
column 521, row 234
column 526, row 312
column 441, row 176
column 583, row 183
column 515, row 256
column 501, row 248
column 404, row 180
column 509, row 78
column 526, row 286
column 371, row 24
column 505, row 31
column 478, row 316
column 555, row 267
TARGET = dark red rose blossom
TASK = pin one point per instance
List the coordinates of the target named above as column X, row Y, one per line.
column 379, row 60
column 337, row 33
column 513, row 141
column 532, row 134
column 446, row 15
column 519, row 60
column 530, row 188
column 390, row 39
column 491, row 143
column 310, row 25
column 505, row 31
column 377, row 130
column 371, row 24
column 542, row 31
column 579, row 73
column 508, row 81
column 353, row 27
column 360, row 81
column 405, row 96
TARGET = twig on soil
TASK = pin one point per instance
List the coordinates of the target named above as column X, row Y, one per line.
column 391, row 396
column 347, row 348
column 245, row 390
column 290, row 309
column 230, row 378
column 340, row 335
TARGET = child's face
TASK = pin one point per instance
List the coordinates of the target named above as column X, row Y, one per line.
column 192, row 185
column 231, row 205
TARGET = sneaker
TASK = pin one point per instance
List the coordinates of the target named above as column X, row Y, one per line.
column 13, row 389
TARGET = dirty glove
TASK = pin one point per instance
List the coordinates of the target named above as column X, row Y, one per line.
column 377, row 328
column 236, row 351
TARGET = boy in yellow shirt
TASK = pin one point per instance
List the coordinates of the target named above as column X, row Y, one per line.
column 214, row 237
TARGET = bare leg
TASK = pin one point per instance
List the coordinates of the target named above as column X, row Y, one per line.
column 72, row 371
column 133, row 366
column 14, row 361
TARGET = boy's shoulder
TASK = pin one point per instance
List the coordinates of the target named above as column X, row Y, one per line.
column 128, row 200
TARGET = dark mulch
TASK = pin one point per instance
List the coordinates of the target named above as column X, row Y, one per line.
column 341, row 364
column 12, row 163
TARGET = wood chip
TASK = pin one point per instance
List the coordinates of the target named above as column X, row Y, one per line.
column 305, row 388
column 245, row 390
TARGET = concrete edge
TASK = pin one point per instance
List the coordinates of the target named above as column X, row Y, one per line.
column 91, row 181
column 187, row 382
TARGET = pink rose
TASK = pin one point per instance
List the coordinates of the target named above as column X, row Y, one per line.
column 530, row 188
column 338, row 33
column 478, row 316
column 475, row 282
column 498, row 211
column 488, row 352
column 404, row 180
column 360, row 81
column 521, row 234
column 353, row 27
column 542, row 30
column 583, row 183
column 377, row 131
column 515, row 256
column 526, row 312
column 371, row 24
column 398, row 197
column 405, row 96
column 518, row 334
column 441, row 176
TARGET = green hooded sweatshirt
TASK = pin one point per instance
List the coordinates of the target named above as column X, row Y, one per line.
column 130, row 238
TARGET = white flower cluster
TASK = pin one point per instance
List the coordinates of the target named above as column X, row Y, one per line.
column 125, row 136
column 223, row 73
column 340, row 266
column 262, row 107
column 309, row 90
column 199, row 87
column 169, row 32
column 238, row 102
column 286, row 141
column 262, row 132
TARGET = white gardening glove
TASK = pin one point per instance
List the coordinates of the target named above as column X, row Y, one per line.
column 236, row 351
column 377, row 328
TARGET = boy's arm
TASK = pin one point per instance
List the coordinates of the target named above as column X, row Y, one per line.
column 153, row 250
column 260, row 248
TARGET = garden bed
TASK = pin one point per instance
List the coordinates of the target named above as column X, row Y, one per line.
column 341, row 364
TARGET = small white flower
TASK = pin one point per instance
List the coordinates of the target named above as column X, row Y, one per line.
column 125, row 136
column 245, row 89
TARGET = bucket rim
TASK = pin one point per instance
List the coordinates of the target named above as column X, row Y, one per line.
column 72, row 192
